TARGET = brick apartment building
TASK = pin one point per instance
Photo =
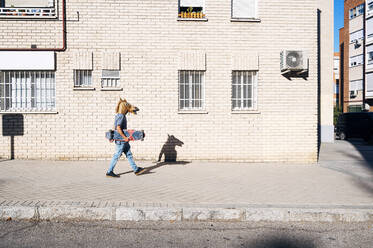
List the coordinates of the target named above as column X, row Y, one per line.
column 356, row 51
column 336, row 78
column 203, row 72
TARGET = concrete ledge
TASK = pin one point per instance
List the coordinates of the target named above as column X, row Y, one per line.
column 17, row 212
column 309, row 215
column 74, row 213
column 216, row 214
column 154, row 214
column 250, row 213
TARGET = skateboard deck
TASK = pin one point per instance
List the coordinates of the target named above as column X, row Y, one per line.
column 132, row 134
column 129, row 133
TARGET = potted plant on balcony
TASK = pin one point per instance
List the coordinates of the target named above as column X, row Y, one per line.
column 189, row 12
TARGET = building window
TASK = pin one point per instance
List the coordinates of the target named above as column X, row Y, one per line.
column 352, row 13
column 244, row 84
column 360, row 9
column 193, row 9
column 370, row 6
column 369, row 27
column 244, row 9
column 355, row 108
column 356, row 60
column 356, row 36
column 357, row 11
column 82, row 78
column 110, row 79
column 27, row 91
column 27, row 9
column 191, row 90
column 369, row 82
column 370, row 57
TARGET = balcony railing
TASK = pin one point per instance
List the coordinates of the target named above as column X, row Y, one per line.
column 196, row 15
column 49, row 12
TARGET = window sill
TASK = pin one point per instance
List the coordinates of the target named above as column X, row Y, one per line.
column 245, row 112
column 84, row 88
column 192, row 112
column 192, row 19
column 28, row 112
column 111, row 89
column 245, row 20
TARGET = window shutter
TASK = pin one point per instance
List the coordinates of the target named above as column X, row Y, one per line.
column 83, row 61
column 369, row 49
column 356, row 85
column 111, row 60
column 192, row 60
column 245, row 62
column 370, row 26
column 356, row 35
column 191, row 3
column 244, row 9
column 370, row 82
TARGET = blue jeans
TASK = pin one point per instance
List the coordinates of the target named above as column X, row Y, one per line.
column 122, row 147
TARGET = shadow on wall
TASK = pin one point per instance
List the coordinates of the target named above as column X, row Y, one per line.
column 169, row 149
column 13, row 125
column 280, row 242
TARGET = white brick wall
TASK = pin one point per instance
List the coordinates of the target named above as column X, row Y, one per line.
column 150, row 39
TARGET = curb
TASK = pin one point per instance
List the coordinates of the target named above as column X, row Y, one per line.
column 252, row 213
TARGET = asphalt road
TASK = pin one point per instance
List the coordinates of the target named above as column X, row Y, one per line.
column 185, row 234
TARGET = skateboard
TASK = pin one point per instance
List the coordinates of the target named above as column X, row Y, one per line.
column 129, row 133
column 134, row 134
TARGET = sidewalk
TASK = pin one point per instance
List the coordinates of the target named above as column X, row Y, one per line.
column 338, row 188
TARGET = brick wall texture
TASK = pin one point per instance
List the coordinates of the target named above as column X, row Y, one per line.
column 149, row 38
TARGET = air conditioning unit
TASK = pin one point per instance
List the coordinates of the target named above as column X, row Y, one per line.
column 353, row 93
column 293, row 61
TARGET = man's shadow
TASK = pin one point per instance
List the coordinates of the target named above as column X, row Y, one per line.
column 169, row 153
column 169, row 149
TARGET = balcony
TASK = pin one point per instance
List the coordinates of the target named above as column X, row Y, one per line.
column 192, row 10
column 39, row 9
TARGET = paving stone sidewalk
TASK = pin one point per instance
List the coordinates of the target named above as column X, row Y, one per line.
column 342, row 180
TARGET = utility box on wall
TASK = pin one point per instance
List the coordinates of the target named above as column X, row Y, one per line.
column 13, row 125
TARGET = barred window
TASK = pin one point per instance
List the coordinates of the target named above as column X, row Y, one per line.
column 82, row 78
column 191, row 90
column 110, row 79
column 27, row 91
column 244, row 85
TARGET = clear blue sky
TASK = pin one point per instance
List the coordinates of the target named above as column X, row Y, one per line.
column 338, row 22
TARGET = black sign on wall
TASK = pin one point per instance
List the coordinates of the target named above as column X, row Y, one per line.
column 13, row 125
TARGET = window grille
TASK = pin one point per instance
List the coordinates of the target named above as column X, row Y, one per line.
column 191, row 90
column 82, row 78
column 110, row 79
column 244, row 85
column 27, row 91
